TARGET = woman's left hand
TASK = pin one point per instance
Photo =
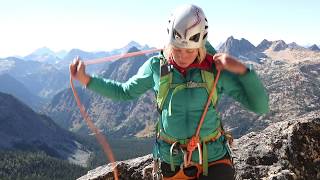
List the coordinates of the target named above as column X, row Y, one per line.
column 226, row 62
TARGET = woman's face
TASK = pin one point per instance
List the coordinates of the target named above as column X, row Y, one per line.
column 184, row 57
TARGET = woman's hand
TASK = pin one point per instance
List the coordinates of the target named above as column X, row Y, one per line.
column 78, row 71
column 226, row 62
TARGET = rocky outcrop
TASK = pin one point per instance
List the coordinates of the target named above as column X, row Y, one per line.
column 285, row 150
column 134, row 169
column 289, row 149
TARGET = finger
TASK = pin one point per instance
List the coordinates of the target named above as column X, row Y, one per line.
column 74, row 66
column 218, row 64
column 76, row 60
column 72, row 69
column 216, row 56
column 80, row 66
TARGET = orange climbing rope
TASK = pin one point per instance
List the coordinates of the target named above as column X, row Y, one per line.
column 195, row 140
column 100, row 137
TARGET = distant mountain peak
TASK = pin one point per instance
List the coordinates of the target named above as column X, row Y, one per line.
column 246, row 42
column 278, row 45
column 132, row 44
column 43, row 54
column 314, row 48
column 43, row 51
column 12, row 58
column 133, row 49
column 235, row 47
column 294, row 45
column 242, row 49
column 230, row 37
column 265, row 44
column 75, row 50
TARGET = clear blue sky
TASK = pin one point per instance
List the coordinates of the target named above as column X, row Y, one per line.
column 91, row 25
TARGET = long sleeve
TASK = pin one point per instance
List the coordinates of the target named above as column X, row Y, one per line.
column 133, row 88
column 246, row 89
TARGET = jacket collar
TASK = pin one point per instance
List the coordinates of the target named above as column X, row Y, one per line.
column 206, row 64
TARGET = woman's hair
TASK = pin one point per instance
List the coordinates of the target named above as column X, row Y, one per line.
column 167, row 52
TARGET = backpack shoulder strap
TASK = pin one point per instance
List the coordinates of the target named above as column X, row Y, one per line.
column 164, row 82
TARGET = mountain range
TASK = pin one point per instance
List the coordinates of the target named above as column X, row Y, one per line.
column 12, row 86
column 46, row 55
column 23, row 129
column 278, row 49
column 120, row 118
column 41, row 79
column 45, row 72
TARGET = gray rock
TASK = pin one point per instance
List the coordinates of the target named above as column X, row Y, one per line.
column 134, row 169
column 285, row 150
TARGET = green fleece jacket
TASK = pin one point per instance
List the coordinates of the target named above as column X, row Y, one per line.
column 187, row 105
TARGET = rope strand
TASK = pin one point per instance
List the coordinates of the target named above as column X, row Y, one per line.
column 99, row 136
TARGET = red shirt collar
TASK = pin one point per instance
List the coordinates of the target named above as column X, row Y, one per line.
column 206, row 64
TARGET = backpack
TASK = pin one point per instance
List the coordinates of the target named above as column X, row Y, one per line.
column 165, row 84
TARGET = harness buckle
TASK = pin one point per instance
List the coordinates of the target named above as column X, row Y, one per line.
column 176, row 149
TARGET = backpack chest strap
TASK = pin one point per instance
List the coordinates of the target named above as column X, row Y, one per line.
column 189, row 84
column 178, row 87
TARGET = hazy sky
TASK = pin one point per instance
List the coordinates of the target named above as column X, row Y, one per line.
column 92, row 25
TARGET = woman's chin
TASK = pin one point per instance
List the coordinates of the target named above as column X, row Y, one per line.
column 183, row 65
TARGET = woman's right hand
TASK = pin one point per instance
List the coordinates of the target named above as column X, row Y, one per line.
column 78, row 71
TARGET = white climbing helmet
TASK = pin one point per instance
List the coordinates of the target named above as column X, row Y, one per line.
column 188, row 27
